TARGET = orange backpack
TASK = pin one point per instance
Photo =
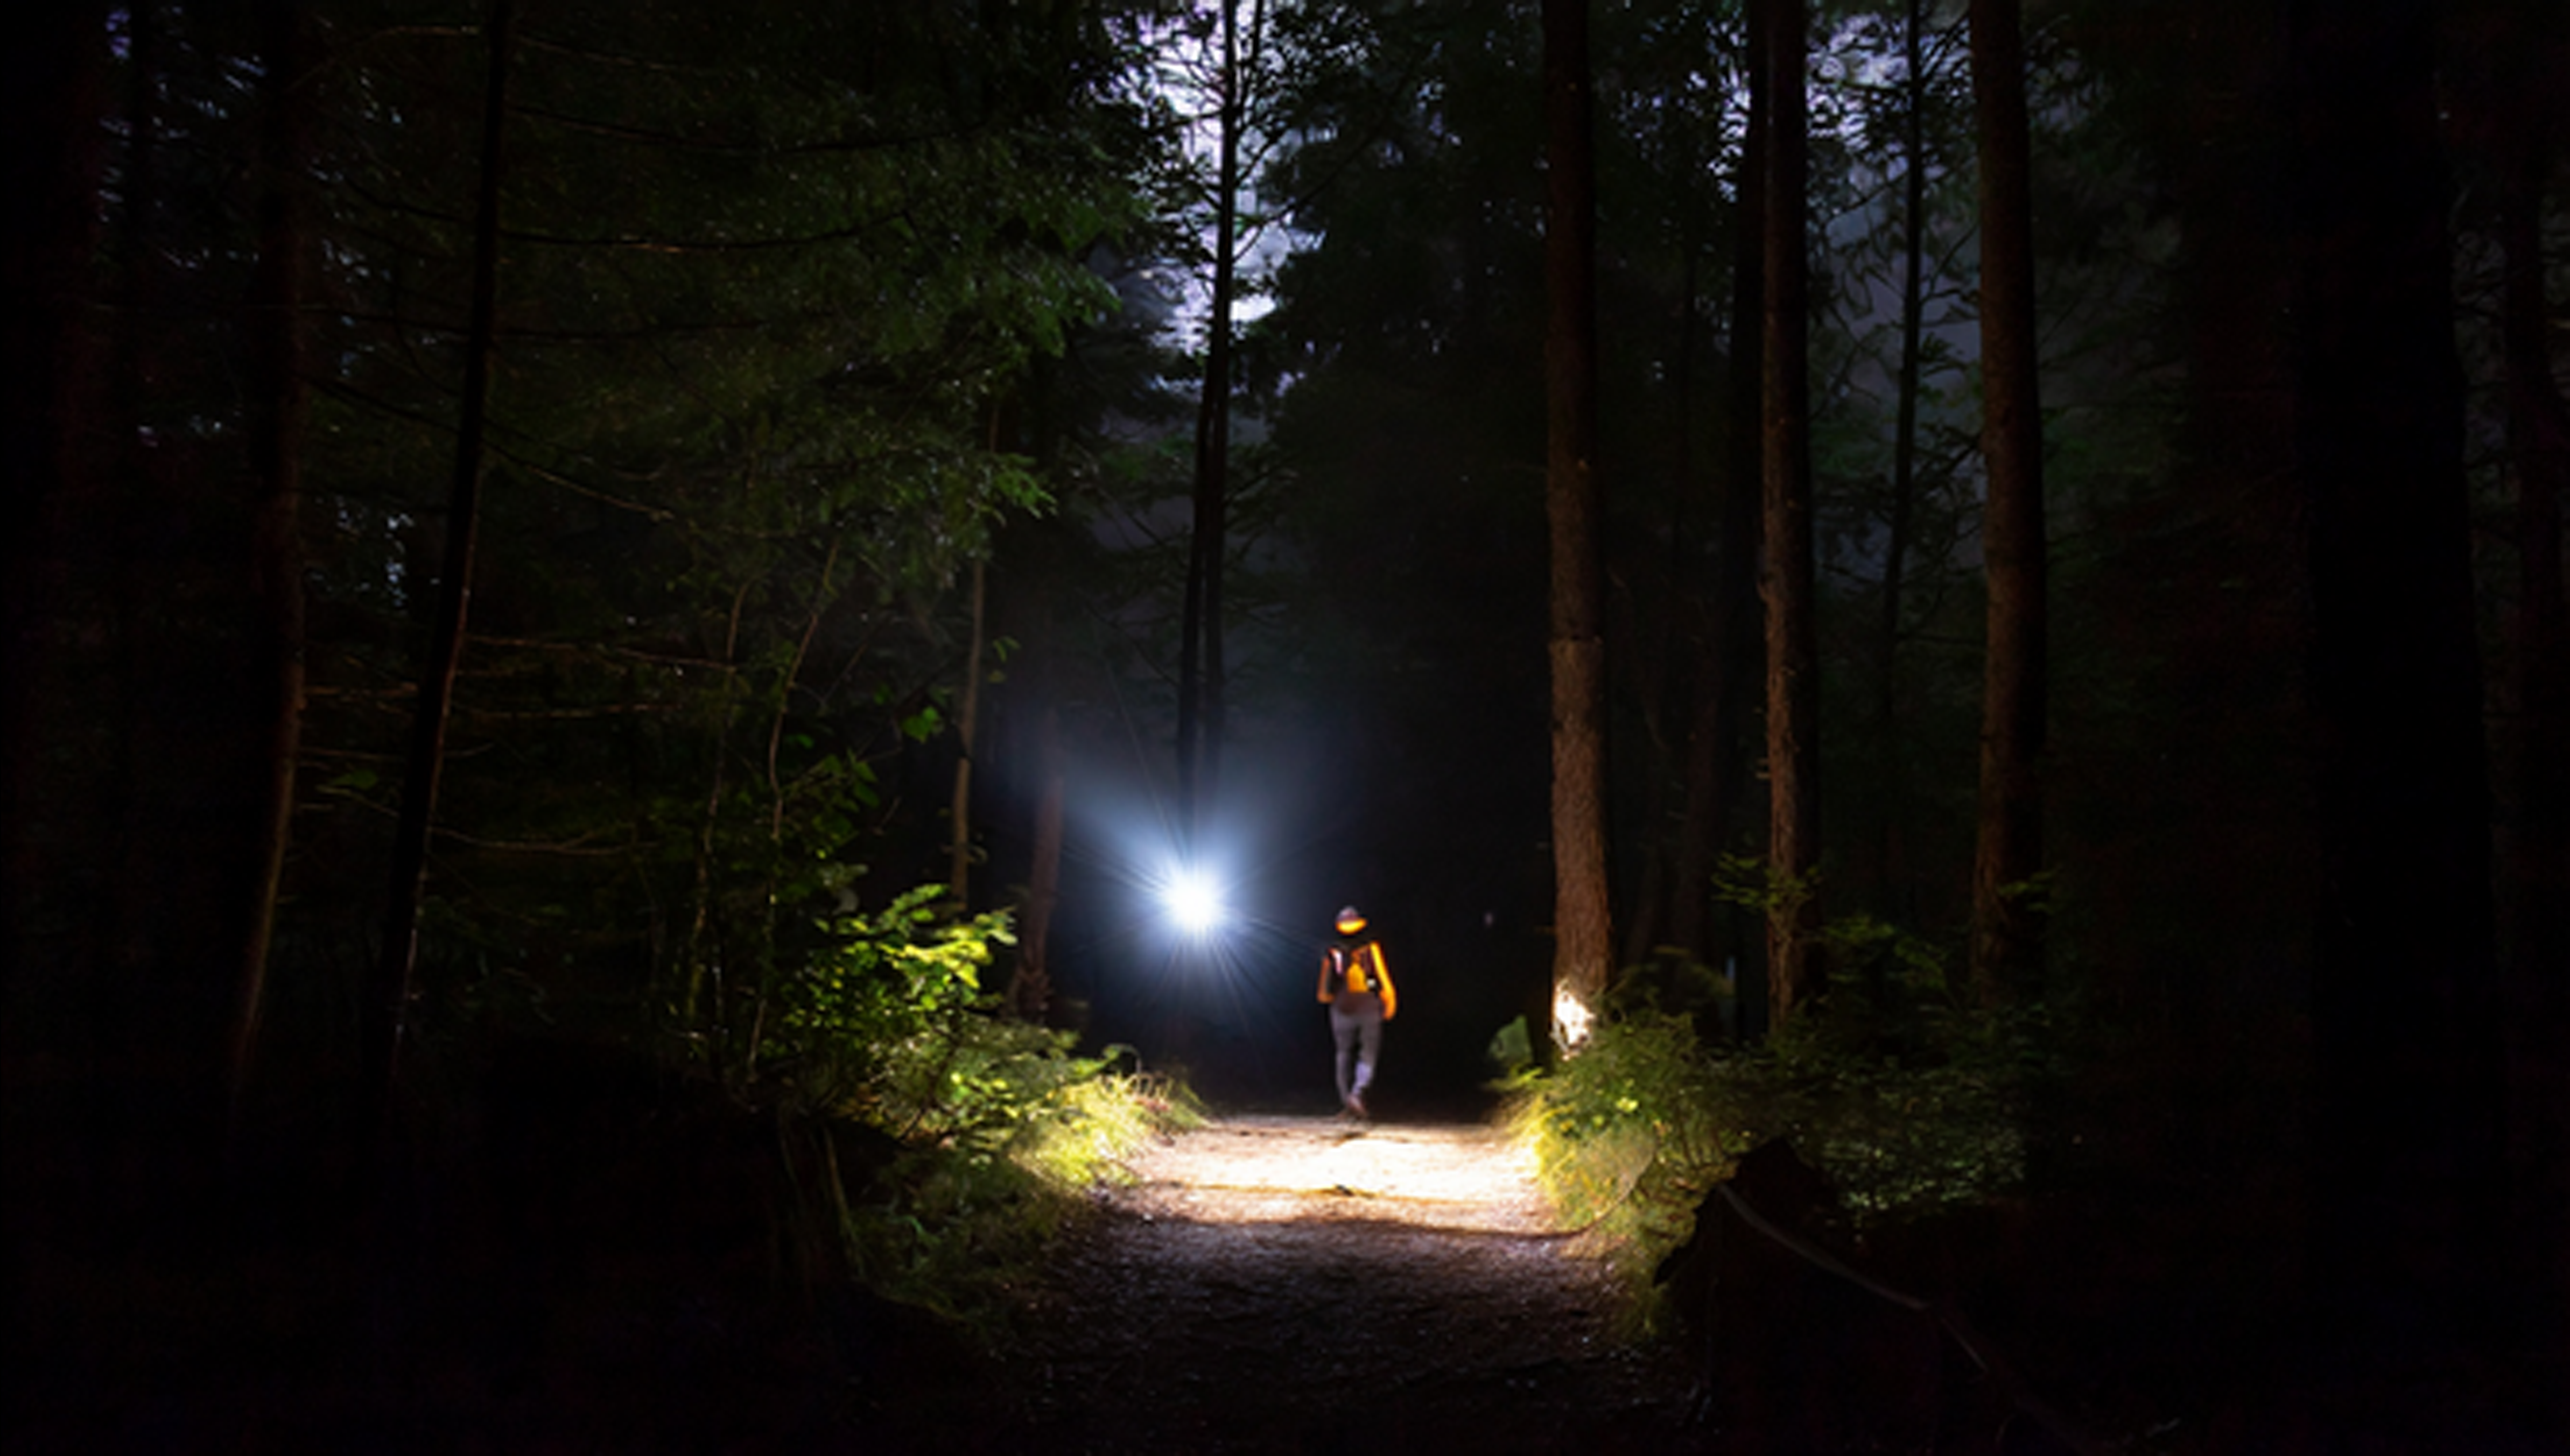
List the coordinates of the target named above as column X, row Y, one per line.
column 1353, row 971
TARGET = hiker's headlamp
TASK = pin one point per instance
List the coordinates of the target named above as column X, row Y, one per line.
column 1193, row 900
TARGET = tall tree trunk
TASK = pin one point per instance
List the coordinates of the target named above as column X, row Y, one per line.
column 1732, row 638
column 171, row 520
column 780, row 710
column 1200, row 669
column 701, row 910
column 2008, row 923
column 2537, row 865
column 276, row 434
column 1031, row 990
column 2538, row 432
column 1583, row 938
column 388, row 1004
column 960, row 810
column 1793, row 659
column 2403, row 1003
column 1660, row 680
column 2210, row 592
column 1891, row 872
column 137, row 564
column 52, row 98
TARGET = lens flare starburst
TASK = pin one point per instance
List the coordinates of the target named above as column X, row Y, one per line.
column 1193, row 900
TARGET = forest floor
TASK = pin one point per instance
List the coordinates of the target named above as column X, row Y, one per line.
column 1300, row 1285
column 1266, row 1283
column 1276, row 1284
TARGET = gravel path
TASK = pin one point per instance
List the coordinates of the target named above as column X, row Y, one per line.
column 1299, row 1285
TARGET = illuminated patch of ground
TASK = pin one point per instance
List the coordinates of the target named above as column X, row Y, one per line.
column 1295, row 1284
column 1468, row 1179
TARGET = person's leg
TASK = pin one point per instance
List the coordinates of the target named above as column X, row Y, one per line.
column 1369, row 1047
column 1343, row 1031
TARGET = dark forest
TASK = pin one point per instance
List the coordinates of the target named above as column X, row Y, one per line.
column 624, row 622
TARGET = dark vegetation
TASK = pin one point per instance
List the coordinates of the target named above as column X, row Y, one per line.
column 2113, row 889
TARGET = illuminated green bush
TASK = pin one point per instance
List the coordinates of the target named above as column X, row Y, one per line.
column 1907, row 1098
column 997, row 1128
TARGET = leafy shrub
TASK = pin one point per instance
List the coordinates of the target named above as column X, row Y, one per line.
column 1909, row 1098
column 884, row 1023
column 1629, row 1133
column 957, row 1228
column 998, row 1127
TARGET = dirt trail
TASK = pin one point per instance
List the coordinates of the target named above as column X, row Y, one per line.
column 1298, row 1285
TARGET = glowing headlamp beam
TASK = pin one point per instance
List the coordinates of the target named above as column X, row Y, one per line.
column 1192, row 901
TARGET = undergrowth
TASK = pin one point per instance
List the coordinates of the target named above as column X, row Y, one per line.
column 988, row 1131
column 1906, row 1097
column 957, row 1226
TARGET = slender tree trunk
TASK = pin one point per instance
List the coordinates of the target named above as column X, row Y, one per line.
column 1793, row 660
column 1892, row 873
column 50, row 147
column 388, row 1007
column 2403, row 1002
column 1030, row 990
column 1200, row 642
column 1733, row 639
column 139, row 562
column 2535, row 868
column 276, row 435
column 960, row 810
column 1669, row 718
column 57, row 1156
column 702, row 895
column 825, row 590
column 1583, row 939
column 2007, row 923
column 2538, row 430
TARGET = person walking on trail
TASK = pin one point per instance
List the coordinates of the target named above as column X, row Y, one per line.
column 1356, row 984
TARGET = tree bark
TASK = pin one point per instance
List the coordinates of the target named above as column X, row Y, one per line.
column 1200, row 666
column 50, row 100
column 958, row 873
column 1793, row 659
column 276, row 435
column 1892, row 868
column 700, row 913
column 2008, row 922
column 1668, row 721
column 2403, row 1006
column 1732, row 639
column 58, row 1154
column 1583, row 939
column 1031, row 990
column 2538, row 436
column 2528, row 56
column 388, row 1006
column 140, row 762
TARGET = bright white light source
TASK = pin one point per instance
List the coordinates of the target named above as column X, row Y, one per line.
column 1192, row 901
column 1571, row 1021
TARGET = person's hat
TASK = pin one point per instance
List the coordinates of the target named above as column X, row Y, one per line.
column 1350, row 921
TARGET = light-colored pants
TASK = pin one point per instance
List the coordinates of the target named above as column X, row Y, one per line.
column 1356, row 1024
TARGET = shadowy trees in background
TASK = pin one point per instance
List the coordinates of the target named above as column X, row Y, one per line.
column 2154, row 478
column 2166, row 440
